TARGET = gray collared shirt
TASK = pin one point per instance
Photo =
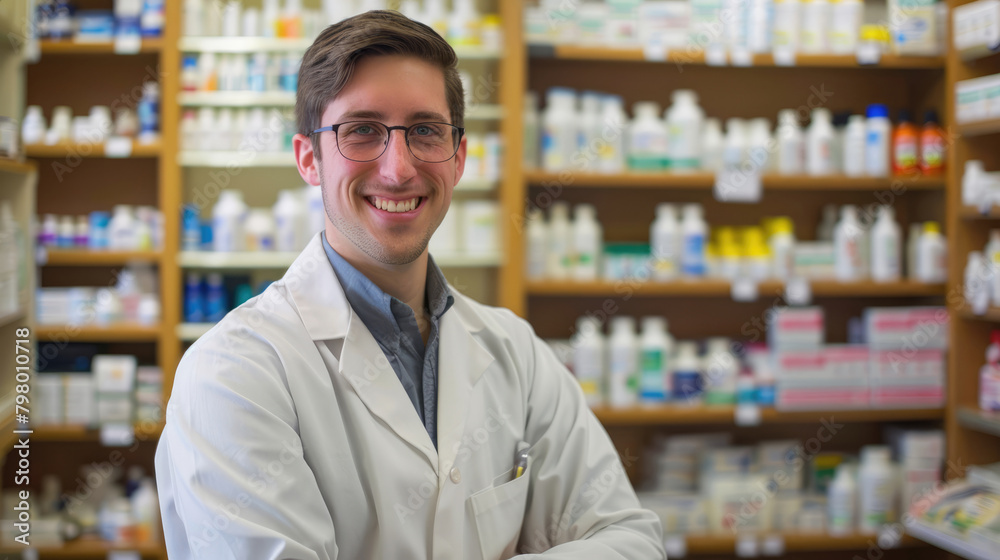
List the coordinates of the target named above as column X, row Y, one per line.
column 394, row 326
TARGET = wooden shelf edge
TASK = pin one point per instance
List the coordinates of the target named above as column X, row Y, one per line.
column 126, row 332
column 706, row 180
column 973, row 213
column 67, row 149
column 979, row 128
column 979, row 420
column 97, row 47
column 698, row 544
column 69, row 432
column 713, row 287
column 992, row 314
column 725, row 414
column 89, row 548
column 697, row 57
column 83, row 257
column 15, row 167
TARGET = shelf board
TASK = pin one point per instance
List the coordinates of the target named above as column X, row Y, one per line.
column 684, row 56
column 725, row 414
column 242, row 44
column 87, row 548
column 979, row 128
column 126, row 332
column 66, row 149
column 973, row 213
column 15, row 167
column 242, row 260
column 12, row 317
column 476, row 184
column 703, row 180
column 444, row 260
column 484, row 112
column 190, row 332
column 71, row 432
column 725, row 544
column 722, row 288
column 237, row 159
column 992, row 314
column 236, row 99
column 100, row 47
column 948, row 542
column 84, row 257
column 979, row 420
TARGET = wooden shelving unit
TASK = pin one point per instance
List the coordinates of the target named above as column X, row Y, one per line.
column 74, row 433
column 723, row 288
column 726, row 415
column 151, row 46
column 83, row 257
column 69, row 149
column 701, row 180
column 89, row 548
column 972, row 437
column 91, row 333
column 793, row 542
column 697, row 57
column 14, row 167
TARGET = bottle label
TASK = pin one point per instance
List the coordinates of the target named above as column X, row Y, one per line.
column 932, row 154
column 693, row 260
column 653, row 384
column 905, row 156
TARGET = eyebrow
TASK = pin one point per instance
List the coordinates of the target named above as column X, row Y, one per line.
column 379, row 116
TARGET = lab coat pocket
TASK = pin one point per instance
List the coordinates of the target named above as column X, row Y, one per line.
column 499, row 512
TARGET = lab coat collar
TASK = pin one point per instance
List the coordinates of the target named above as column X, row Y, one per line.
column 319, row 298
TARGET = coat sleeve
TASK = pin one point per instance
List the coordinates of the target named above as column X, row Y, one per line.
column 582, row 504
column 231, row 475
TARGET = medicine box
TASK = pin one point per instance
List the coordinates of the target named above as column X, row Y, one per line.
column 976, row 27
column 796, row 328
column 906, row 328
column 81, row 402
column 114, row 408
column 114, row 373
column 828, row 378
column 908, row 379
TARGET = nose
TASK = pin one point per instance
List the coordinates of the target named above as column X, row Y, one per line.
column 397, row 164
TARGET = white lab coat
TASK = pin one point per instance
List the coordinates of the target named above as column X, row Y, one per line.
column 289, row 436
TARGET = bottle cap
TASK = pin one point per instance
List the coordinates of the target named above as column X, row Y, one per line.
column 877, row 110
column 932, row 227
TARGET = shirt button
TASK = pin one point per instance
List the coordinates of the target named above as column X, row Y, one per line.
column 455, row 475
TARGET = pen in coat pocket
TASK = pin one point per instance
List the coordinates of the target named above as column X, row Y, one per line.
column 520, row 463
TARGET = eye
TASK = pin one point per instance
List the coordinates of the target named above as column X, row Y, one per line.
column 426, row 130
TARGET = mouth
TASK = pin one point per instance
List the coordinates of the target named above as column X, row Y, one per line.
column 395, row 206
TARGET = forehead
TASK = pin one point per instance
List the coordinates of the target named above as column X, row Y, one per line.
column 393, row 87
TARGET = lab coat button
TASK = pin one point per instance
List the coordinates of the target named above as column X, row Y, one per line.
column 455, row 475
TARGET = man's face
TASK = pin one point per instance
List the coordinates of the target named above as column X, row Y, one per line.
column 395, row 91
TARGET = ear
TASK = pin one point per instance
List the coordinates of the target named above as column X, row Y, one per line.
column 305, row 159
column 460, row 160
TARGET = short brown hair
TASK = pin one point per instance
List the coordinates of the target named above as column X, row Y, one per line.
column 329, row 63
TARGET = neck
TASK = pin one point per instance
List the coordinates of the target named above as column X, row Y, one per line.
column 405, row 282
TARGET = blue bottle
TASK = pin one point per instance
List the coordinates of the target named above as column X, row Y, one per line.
column 215, row 298
column 194, row 302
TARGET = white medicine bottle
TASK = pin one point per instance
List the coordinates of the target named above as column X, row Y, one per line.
column 854, row 147
column 876, row 489
column 647, row 139
column 228, row 217
column 712, row 143
column 819, row 143
column 586, row 243
column 537, row 239
column 878, row 134
column 656, row 348
column 611, row 156
column 559, row 129
column 623, row 363
column 887, row 249
column 842, row 502
column 665, row 242
column 290, row 221
column 684, row 123
column 693, row 234
column 789, row 138
column 931, row 255
column 588, row 359
column 559, row 256
column 848, row 237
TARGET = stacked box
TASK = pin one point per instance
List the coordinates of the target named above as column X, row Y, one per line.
column 907, row 356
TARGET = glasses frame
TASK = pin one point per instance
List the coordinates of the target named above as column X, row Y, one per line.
column 388, row 137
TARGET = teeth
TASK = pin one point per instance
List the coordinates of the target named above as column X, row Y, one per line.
column 393, row 206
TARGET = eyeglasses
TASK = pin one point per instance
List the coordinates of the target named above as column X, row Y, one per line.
column 364, row 141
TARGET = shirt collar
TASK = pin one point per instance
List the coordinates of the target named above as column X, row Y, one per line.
column 380, row 311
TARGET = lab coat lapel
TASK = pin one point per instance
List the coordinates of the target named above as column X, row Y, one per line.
column 365, row 366
column 461, row 362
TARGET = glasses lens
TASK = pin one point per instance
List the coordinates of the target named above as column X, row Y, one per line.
column 362, row 141
column 433, row 142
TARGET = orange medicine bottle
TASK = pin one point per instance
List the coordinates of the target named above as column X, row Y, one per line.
column 904, row 146
column 932, row 148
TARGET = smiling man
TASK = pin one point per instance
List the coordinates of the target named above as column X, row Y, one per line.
column 361, row 407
